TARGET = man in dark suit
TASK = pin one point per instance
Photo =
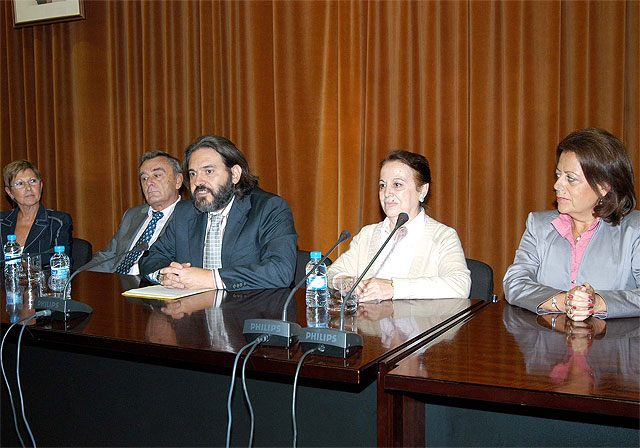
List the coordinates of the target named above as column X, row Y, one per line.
column 161, row 180
column 232, row 235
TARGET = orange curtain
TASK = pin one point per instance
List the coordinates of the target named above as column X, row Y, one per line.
column 315, row 94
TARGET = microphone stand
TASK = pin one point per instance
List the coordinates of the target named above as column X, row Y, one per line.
column 340, row 343
column 283, row 333
column 63, row 308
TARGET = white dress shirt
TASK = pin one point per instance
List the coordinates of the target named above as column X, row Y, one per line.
column 166, row 212
column 395, row 260
column 217, row 280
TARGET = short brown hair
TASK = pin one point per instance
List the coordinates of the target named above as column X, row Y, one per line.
column 605, row 163
column 417, row 162
column 12, row 169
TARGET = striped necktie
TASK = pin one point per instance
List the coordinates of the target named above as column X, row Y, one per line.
column 213, row 243
column 132, row 257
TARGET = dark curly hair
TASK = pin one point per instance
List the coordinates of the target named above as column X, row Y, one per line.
column 231, row 156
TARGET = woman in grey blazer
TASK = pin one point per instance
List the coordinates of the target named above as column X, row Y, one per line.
column 582, row 259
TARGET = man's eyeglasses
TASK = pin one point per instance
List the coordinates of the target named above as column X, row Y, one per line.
column 21, row 183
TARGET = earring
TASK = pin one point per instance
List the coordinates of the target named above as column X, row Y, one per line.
column 600, row 201
column 422, row 199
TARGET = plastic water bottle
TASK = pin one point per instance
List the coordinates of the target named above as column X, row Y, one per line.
column 317, row 292
column 60, row 271
column 12, row 252
column 318, row 317
column 14, row 296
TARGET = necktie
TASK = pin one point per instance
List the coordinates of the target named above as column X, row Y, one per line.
column 132, row 257
column 213, row 243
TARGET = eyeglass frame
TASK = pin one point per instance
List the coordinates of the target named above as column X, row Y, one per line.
column 19, row 185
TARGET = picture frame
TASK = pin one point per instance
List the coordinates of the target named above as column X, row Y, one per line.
column 43, row 12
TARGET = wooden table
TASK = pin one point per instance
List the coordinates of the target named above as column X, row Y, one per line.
column 507, row 355
column 159, row 358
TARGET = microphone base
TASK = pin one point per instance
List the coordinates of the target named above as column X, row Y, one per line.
column 281, row 333
column 62, row 309
column 330, row 342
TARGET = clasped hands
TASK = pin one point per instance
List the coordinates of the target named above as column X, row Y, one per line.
column 374, row 289
column 183, row 276
column 580, row 302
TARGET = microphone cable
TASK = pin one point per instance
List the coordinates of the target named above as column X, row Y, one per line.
column 6, row 381
column 246, row 393
column 293, row 403
column 259, row 340
column 4, row 375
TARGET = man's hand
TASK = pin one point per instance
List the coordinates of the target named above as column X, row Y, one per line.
column 183, row 276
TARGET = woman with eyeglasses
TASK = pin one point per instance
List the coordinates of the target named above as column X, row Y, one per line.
column 37, row 228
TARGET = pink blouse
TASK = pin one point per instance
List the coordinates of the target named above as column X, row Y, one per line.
column 563, row 225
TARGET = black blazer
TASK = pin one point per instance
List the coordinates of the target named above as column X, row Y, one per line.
column 258, row 246
column 50, row 228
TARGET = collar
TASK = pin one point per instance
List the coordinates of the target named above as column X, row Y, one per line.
column 413, row 223
column 225, row 211
column 563, row 225
column 12, row 217
column 165, row 211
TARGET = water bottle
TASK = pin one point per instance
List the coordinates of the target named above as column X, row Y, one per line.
column 12, row 252
column 318, row 317
column 60, row 271
column 14, row 295
column 317, row 292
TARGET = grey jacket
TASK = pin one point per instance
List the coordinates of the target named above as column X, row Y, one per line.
column 611, row 264
column 131, row 222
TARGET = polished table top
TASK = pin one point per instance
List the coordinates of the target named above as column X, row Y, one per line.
column 507, row 354
column 206, row 329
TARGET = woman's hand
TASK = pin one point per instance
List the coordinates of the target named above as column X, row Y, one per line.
column 580, row 302
column 375, row 289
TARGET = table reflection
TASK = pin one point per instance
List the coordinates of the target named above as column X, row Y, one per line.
column 216, row 317
column 397, row 321
column 578, row 357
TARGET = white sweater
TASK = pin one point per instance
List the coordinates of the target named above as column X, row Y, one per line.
column 438, row 269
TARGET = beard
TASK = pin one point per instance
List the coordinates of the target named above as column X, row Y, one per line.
column 220, row 198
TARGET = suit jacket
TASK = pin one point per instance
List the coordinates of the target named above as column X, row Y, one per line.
column 258, row 246
column 50, row 228
column 438, row 269
column 130, row 224
column 611, row 264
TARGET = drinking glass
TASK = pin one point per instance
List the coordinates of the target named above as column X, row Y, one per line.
column 338, row 290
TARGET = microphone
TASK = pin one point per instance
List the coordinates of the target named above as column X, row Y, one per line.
column 281, row 332
column 340, row 343
column 63, row 309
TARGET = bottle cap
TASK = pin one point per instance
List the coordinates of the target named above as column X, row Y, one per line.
column 57, row 249
column 11, row 237
column 317, row 255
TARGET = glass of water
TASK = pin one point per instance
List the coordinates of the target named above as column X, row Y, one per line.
column 338, row 290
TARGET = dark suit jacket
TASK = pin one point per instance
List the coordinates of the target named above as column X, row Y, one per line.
column 130, row 224
column 258, row 247
column 50, row 228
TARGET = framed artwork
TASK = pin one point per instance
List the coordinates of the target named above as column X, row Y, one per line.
column 41, row 12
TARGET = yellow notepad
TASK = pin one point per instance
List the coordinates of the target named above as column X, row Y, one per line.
column 162, row 293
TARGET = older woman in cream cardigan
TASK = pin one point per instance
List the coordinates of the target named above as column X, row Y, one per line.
column 424, row 260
